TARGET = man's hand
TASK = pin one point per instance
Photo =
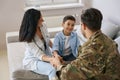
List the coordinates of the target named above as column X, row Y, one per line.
column 55, row 54
column 55, row 61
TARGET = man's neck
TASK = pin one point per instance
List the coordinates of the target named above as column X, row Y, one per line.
column 89, row 34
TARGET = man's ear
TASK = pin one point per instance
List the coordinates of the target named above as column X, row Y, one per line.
column 62, row 24
column 84, row 26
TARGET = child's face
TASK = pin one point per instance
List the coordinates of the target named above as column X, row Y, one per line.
column 68, row 26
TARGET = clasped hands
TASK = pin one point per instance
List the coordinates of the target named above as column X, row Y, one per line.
column 56, row 60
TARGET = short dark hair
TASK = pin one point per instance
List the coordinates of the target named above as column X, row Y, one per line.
column 92, row 18
column 68, row 17
column 29, row 25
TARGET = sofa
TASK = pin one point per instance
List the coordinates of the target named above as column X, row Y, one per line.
column 16, row 49
column 15, row 52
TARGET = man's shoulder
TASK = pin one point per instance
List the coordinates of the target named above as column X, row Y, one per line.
column 99, row 45
column 93, row 45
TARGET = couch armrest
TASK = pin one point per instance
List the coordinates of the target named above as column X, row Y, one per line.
column 12, row 37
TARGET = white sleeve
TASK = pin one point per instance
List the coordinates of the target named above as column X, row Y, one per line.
column 32, row 47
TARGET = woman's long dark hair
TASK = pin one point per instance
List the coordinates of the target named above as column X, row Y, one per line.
column 29, row 25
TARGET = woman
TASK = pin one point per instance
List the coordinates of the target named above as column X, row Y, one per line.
column 38, row 56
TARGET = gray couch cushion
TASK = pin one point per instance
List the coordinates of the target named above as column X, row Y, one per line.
column 109, row 29
column 117, row 35
column 12, row 37
column 117, row 40
column 28, row 75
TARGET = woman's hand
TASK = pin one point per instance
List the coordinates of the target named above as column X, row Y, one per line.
column 52, row 61
column 55, row 54
column 55, row 61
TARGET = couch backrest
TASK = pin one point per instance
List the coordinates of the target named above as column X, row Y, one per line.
column 15, row 52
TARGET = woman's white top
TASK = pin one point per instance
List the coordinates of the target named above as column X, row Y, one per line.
column 35, row 50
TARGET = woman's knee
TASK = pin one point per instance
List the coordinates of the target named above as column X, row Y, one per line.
column 52, row 72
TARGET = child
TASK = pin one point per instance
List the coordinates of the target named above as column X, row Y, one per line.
column 66, row 42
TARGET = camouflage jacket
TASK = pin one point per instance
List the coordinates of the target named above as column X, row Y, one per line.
column 98, row 59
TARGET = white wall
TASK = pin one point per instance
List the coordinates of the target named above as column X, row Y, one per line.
column 109, row 8
column 87, row 3
column 11, row 12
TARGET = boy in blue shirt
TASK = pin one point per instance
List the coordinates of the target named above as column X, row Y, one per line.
column 66, row 42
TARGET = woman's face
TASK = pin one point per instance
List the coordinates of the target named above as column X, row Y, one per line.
column 40, row 21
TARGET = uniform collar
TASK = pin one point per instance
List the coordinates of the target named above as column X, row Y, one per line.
column 96, row 34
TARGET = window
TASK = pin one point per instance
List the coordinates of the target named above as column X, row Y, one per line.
column 38, row 3
column 53, row 11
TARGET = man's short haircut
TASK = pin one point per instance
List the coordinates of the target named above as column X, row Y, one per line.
column 68, row 17
column 92, row 18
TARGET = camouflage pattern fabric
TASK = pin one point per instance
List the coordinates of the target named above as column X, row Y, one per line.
column 98, row 59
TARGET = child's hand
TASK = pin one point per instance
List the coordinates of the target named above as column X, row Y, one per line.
column 55, row 54
column 55, row 62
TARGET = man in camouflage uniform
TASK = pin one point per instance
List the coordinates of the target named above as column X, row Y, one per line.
column 98, row 58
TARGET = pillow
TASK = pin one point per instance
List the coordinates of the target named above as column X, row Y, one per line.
column 117, row 40
column 117, row 35
column 110, row 29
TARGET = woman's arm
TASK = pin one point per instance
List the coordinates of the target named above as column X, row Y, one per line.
column 32, row 48
column 38, row 53
column 46, row 58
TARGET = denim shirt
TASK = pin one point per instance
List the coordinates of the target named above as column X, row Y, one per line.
column 59, row 43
